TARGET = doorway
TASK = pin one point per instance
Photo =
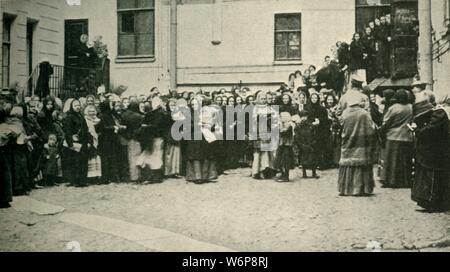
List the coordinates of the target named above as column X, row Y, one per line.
column 73, row 29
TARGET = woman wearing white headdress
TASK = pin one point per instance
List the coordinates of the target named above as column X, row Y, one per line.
column 265, row 146
column 94, row 163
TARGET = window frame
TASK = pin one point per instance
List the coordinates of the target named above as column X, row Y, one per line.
column 6, row 78
column 299, row 32
column 144, row 57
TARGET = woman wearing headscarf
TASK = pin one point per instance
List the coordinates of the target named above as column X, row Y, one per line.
column 7, row 137
column 151, row 160
column 94, row 163
column 357, row 153
column 430, row 188
column 132, row 118
column 77, row 143
column 200, row 161
column 264, row 147
column 333, row 152
column 231, row 147
column 397, row 168
column 388, row 100
column 109, row 145
column 318, row 116
column 32, row 127
column 172, row 151
column 45, row 118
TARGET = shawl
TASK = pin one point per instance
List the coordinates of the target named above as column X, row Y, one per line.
column 358, row 138
column 91, row 123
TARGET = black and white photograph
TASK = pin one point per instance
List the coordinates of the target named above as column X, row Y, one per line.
column 225, row 126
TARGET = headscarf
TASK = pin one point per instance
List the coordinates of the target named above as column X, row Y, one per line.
column 259, row 97
column 68, row 105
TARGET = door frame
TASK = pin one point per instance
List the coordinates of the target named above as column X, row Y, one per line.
column 66, row 22
column 31, row 57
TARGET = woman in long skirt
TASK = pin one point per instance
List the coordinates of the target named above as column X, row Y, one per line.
column 20, row 153
column 94, row 163
column 431, row 184
column 201, row 164
column 335, row 138
column 6, row 136
column 172, row 151
column 152, row 157
column 110, row 147
column 132, row 118
column 77, row 142
column 264, row 147
column 397, row 168
column 358, row 146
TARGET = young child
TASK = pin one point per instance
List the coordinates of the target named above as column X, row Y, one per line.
column 58, row 117
column 285, row 154
column 305, row 139
column 51, row 156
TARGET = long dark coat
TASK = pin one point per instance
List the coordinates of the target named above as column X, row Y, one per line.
column 75, row 164
column 356, row 56
column 42, row 87
column 112, row 153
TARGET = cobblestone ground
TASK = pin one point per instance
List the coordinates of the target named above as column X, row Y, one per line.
column 238, row 213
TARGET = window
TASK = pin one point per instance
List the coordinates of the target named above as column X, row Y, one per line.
column 136, row 28
column 288, row 34
column 6, row 49
column 368, row 10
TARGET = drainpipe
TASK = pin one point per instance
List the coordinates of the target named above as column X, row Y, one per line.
column 173, row 45
column 426, row 43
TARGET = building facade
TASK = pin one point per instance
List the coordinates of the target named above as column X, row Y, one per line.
column 220, row 43
column 31, row 31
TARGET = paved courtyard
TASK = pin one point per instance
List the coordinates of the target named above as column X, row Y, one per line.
column 235, row 214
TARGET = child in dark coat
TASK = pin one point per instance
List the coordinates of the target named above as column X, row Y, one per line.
column 51, row 156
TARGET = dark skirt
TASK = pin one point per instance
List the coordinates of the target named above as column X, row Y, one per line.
column 284, row 158
column 205, row 170
column 6, row 189
column 356, row 180
column 75, row 166
column 431, row 189
column 20, row 169
column 397, row 165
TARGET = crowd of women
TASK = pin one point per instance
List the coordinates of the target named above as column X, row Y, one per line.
column 108, row 138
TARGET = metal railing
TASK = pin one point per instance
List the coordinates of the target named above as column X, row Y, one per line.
column 66, row 82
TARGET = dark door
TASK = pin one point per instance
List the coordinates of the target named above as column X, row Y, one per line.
column 73, row 31
column 30, row 30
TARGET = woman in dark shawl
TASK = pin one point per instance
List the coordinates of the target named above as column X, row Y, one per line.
column 431, row 185
column 397, row 168
column 357, row 54
column 77, row 143
column 172, row 150
column 318, row 117
column 7, row 137
column 109, row 146
column 333, row 152
column 357, row 153
column 45, row 118
column 156, row 123
column 200, row 159
column 132, row 118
